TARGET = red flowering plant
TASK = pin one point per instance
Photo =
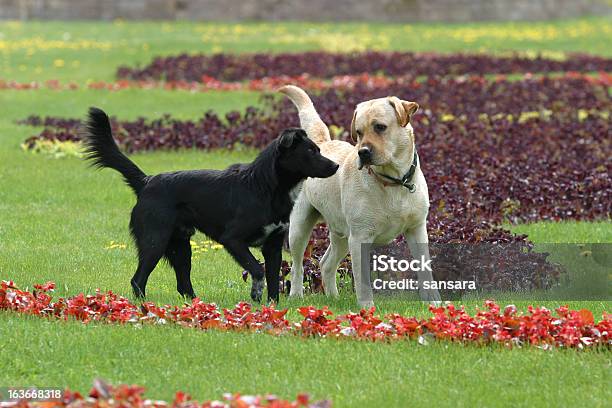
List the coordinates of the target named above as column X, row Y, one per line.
column 540, row 327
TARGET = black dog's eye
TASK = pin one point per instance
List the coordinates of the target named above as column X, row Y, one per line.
column 379, row 127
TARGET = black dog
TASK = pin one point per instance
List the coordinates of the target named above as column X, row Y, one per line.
column 244, row 206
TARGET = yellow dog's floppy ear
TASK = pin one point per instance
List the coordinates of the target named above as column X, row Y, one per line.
column 353, row 132
column 403, row 109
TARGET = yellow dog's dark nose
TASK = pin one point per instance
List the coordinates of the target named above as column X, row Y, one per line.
column 365, row 154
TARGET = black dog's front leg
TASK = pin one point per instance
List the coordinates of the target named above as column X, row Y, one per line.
column 241, row 253
column 272, row 252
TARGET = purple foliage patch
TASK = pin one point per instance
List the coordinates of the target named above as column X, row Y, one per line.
column 228, row 67
column 491, row 151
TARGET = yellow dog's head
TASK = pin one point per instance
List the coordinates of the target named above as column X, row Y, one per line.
column 381, row 127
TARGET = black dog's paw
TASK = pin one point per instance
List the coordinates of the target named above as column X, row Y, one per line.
column 188, row 295
column 273, row 301
column 138, row 292
column 257, row 290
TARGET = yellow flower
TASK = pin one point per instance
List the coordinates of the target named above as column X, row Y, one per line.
column 58, row 63
column 41, row 44
column 116, row 245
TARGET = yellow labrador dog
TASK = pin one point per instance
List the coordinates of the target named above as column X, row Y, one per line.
column 378, row 193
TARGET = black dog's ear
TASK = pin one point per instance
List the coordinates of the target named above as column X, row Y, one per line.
column 288, row 138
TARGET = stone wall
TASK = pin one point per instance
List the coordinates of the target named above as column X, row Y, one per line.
column 313, row 10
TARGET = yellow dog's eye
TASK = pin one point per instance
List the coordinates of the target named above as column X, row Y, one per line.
column 379, row 127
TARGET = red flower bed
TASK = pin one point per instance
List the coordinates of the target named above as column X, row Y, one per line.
column 230, row 67
column 206, row 84
column 565, row 328
column 106, row 395
column 338, row 82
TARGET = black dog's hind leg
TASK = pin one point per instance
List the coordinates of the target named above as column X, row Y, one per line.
column 151, row 234
column 272, row 252
column 241, row 253
column 147, row 260
column 178, row 255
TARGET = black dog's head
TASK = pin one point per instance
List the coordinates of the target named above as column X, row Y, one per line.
column 299, row 154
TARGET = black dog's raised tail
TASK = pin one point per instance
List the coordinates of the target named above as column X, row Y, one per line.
column 102, row 151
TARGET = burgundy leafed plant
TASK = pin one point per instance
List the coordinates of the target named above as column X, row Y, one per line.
column 491, row 150
column 320, row 64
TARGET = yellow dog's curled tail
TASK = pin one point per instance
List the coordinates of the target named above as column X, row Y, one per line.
column 310, row 120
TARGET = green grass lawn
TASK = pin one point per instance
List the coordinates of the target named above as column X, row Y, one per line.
column 206, row 364
column 58, row 217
